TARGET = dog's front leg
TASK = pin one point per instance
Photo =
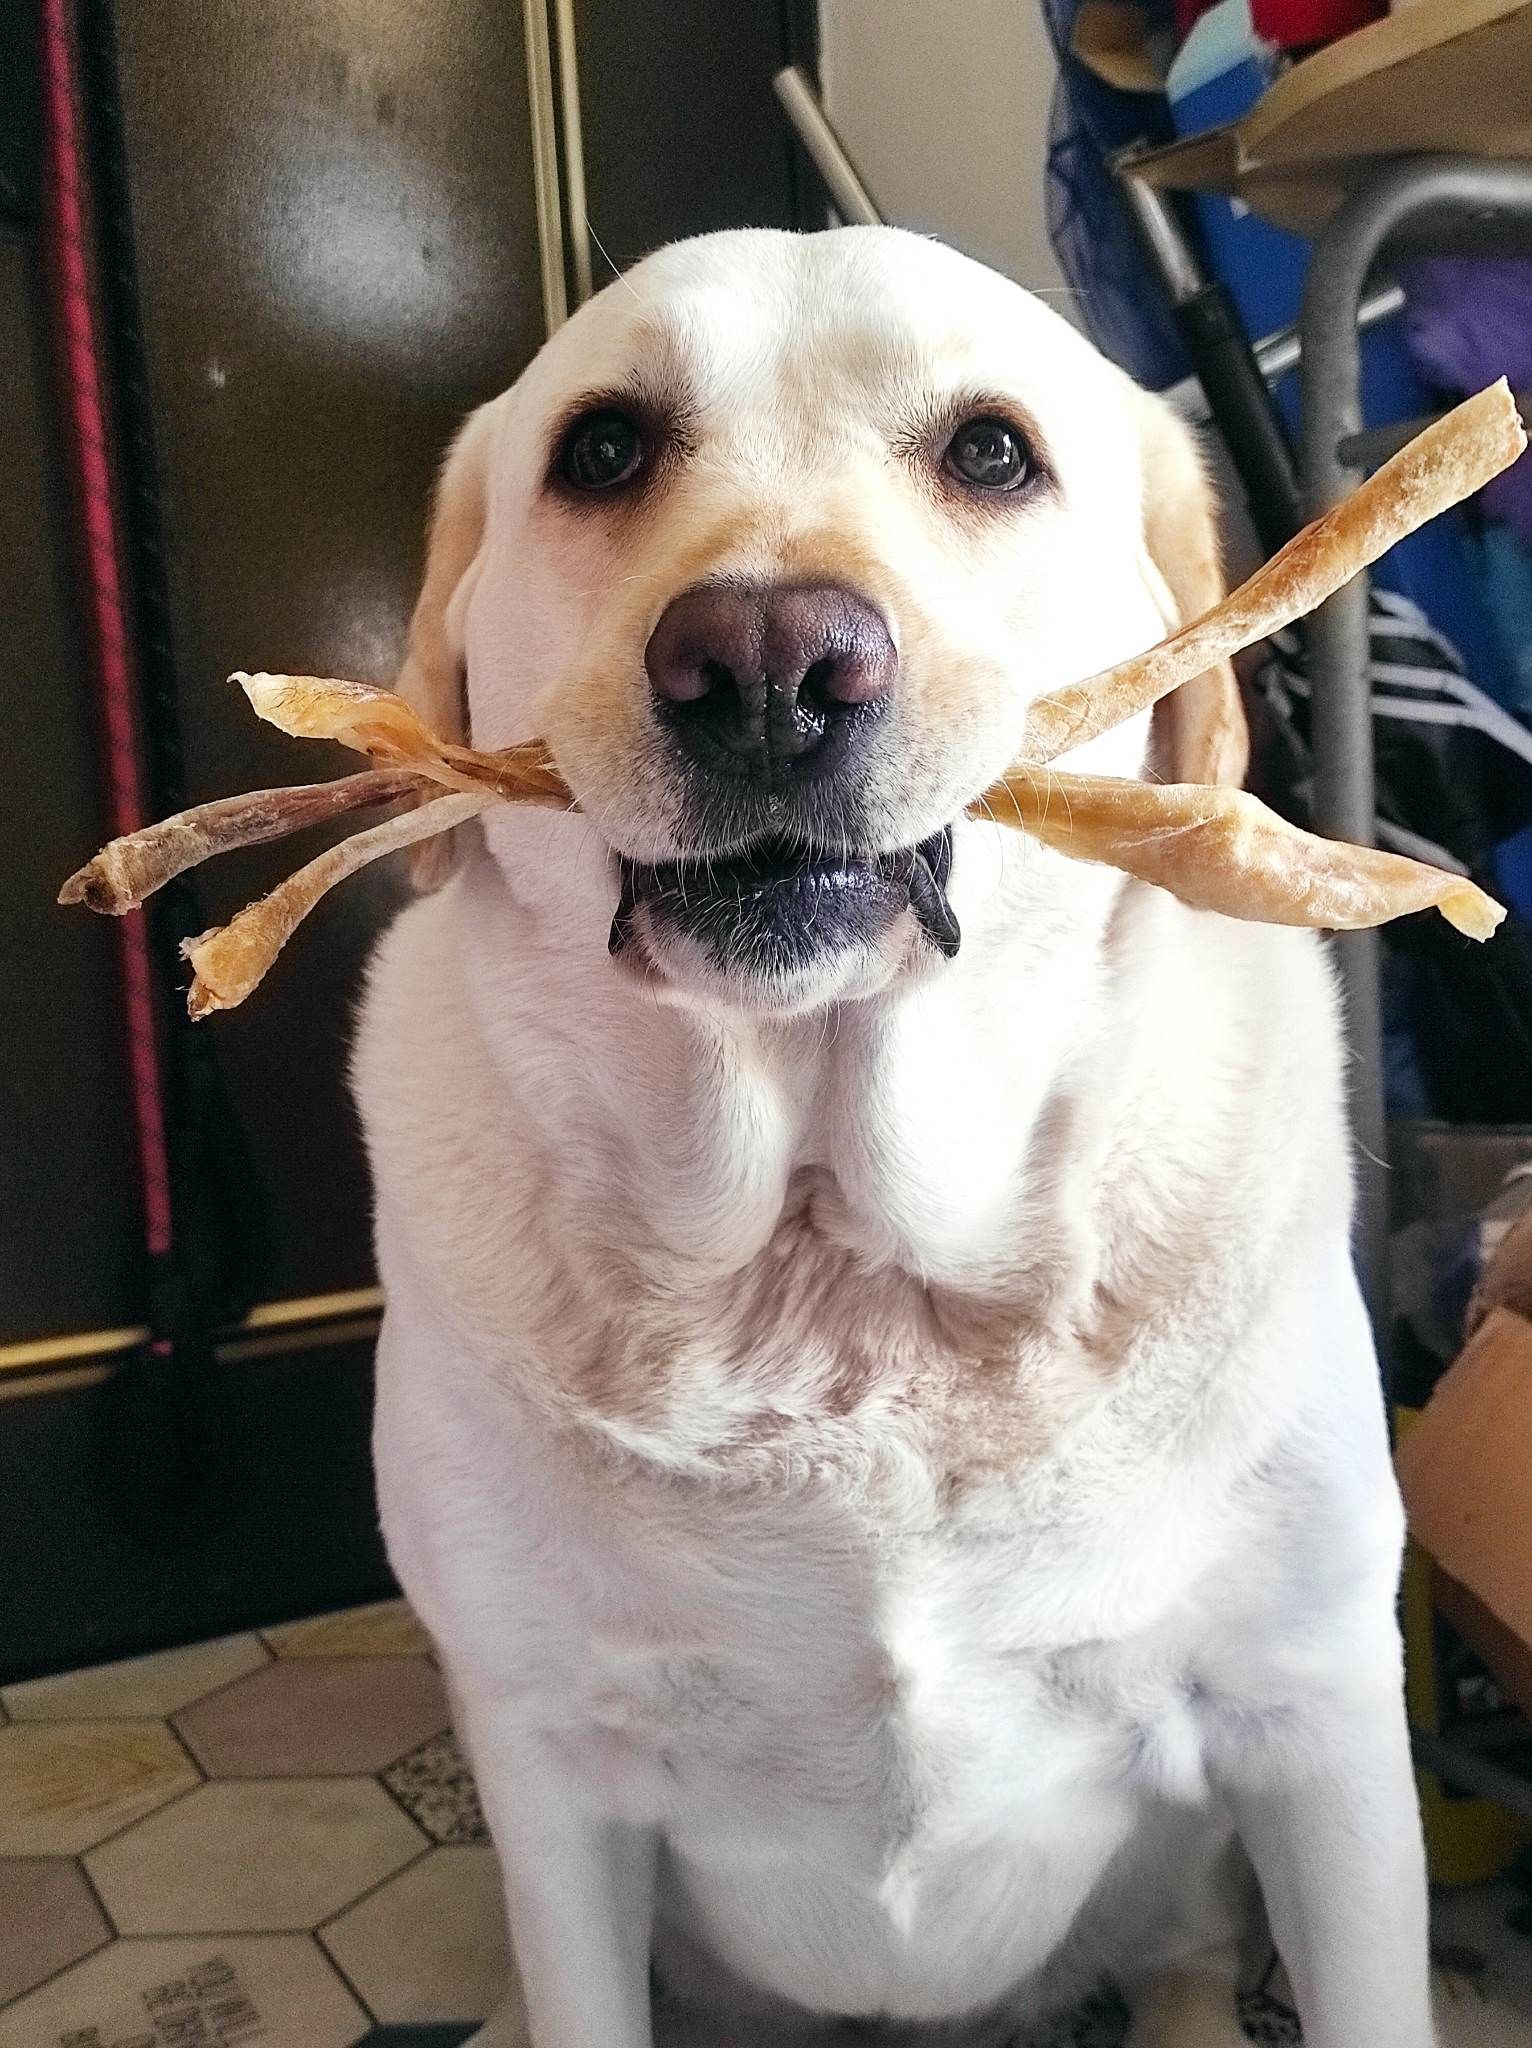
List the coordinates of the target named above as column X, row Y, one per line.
column 579, row 1890
column 1329, row 1817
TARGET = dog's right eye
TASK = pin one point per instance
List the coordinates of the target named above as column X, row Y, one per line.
column 600, row 450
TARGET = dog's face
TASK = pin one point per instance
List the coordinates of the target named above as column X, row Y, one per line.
column 781, row 536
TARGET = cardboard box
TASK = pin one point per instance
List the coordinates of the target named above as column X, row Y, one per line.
column 1455, row 77
column 1465, row 1469
column 1497, row 1648
column 1507, row 1281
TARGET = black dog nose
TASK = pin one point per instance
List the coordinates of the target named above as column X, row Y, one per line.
column 753, row 678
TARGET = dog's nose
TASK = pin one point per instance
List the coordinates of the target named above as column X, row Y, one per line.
column 754, row 677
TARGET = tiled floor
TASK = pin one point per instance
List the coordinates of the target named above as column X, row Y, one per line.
column 272, row 1840
column 269, row 1839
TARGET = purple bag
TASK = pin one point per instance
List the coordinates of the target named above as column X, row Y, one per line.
column 1468, row 320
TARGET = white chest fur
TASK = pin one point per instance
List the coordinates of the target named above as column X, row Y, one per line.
column 836, row 1705
column 887, row 1602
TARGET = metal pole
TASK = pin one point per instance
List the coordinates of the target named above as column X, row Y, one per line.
column 1220, row 353
column 1337, row 634
column 1283, row 351
column 824, row 148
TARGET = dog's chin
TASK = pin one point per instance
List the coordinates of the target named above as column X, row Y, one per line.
column 783, row 927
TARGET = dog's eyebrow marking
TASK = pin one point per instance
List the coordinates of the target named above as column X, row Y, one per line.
column 659, row 364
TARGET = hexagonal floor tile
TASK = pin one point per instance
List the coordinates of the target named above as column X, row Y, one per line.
column 49, row 1917
column 387, row 1629
column 435, row 1787
column 245, row 1857
column 316, row 1714
column 65, row 1785
column 430, row 1944
column 138, row 1685
column 275, row 1990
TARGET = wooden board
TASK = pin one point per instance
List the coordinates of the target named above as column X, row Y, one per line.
column 1455, row 77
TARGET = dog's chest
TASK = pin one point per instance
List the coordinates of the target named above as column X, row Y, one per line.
column 788, row 1680
column 870, row 1733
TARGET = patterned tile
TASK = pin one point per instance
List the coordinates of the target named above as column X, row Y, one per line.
column 385, row 1630
column 435, row 1787
column 1267, row 2020
column 253, row 1857
column 140, row 1685
column 277, row 1991
column 430, row 1944
column 48, row 1917
column 316, row 1714
column 265, row 1907
column 67, row 1784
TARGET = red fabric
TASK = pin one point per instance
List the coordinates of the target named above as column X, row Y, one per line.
column 1188, row 14
column 1292, row 24
column 79, row 344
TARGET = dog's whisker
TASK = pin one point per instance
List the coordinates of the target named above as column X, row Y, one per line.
column 621, row 276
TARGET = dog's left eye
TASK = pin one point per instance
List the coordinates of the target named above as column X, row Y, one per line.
column 600, row 450
column 988, row 453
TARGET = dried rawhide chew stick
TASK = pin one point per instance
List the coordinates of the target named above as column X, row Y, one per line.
column 380, row 723
column 229, row 961
column 132, row 868
column 1223, row 850
column 1447, row 463
column 1217, row 849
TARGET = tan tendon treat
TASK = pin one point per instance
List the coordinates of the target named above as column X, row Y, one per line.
column 1448, row 462
column 133, row 867
column 1223, row 850
column 229, row 961
column 380, row 723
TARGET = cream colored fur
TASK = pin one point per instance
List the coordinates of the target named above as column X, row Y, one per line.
column 893, row 1463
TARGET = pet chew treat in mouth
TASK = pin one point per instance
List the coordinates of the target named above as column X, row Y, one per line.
column 1453, row 458
column 229, row 961
column 130, row 869
column 1217, row 849
column 1223, row 850
column 380, row 723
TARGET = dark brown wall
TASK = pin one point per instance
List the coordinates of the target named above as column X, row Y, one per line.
column 68, row 1212
column 682, row 132
column 336, row 259
column 328, row 204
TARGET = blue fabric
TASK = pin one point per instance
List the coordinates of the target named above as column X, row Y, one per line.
column 1120, row 302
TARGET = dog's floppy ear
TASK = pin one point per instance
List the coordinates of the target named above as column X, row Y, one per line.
column 433, row 680
column 1199, row 733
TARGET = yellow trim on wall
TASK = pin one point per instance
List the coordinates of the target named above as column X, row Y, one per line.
column 545, row 163
column 39, row 1353
column 577, row 220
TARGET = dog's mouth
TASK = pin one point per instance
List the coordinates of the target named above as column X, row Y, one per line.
column 781, row 907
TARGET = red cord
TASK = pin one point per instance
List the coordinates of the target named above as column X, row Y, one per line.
column 113, row 665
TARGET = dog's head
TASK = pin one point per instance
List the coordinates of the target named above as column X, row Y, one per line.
column 775, row 543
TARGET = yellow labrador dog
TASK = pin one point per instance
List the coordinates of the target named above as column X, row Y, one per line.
column 874, row 1406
